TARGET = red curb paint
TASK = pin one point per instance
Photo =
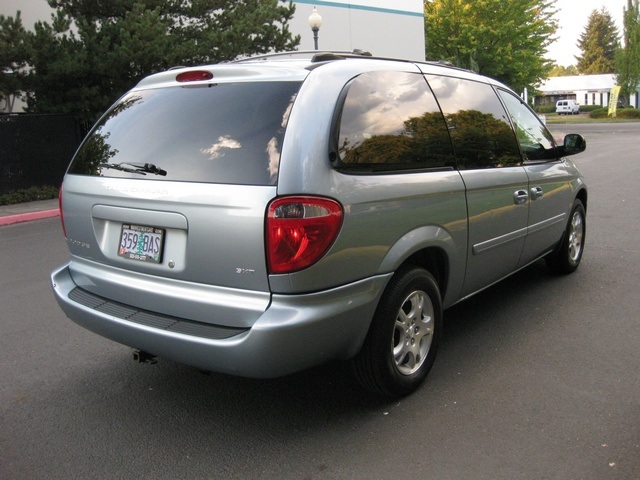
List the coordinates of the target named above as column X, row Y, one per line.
column 27, row 217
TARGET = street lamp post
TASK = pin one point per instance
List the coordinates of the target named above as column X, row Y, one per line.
column 9, row 98
column 315, row 22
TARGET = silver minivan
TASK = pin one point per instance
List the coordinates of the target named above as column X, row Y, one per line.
column 264, row 216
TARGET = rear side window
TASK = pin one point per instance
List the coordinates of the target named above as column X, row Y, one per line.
column 479, row 126
column 390, row 121
column 224, row 133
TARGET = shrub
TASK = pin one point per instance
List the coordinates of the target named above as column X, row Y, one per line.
column 28, row 195
column 629, row 113
column 589, row 108
column 599, row 113
column 544, row 109
column 547, row 109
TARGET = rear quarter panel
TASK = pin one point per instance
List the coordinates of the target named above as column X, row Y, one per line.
column 385, row 215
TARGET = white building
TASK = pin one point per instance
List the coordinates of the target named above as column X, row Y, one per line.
column 585, row 89
column 383, row 27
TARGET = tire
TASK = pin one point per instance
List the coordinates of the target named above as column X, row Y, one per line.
column 404, row 336
column 566, row 258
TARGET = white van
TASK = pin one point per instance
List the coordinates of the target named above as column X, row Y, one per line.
column 567, row 107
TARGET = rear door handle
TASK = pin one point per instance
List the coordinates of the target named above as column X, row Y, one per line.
column 536, row 193
column 520, row 197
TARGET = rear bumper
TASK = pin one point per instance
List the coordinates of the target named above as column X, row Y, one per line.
column 294, row 333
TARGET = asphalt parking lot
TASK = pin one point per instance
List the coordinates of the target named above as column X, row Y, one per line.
column 537, row 377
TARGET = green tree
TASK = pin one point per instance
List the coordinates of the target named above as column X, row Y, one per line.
column 93, row 51
column 14, row 58
column 503, row 39
column 628, row 57
column 61, row 79
column 561, row 71
column 598, row 43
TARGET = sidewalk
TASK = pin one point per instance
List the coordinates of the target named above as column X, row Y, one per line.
column 25, row 212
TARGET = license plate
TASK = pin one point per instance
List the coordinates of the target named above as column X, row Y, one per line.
column 140, row 242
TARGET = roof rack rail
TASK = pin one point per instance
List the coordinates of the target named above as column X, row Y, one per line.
column 448, row 64
column 312, row 55
column 317, row 57
column 328, row 56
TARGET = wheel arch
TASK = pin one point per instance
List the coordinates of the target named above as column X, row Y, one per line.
column 427, row 247
column 582, row 196
column 435, row 261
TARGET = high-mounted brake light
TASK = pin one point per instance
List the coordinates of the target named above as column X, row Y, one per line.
column 194, row 76
column 300, row 231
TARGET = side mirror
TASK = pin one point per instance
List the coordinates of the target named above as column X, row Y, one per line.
column 573, row 143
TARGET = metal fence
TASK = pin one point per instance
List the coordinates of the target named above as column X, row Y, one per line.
column 35, row 150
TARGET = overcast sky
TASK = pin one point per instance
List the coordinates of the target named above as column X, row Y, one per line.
column 572, row 18
column 30, row 10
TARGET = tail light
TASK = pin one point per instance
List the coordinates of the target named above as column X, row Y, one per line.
column 300, row 231
column 64, row 230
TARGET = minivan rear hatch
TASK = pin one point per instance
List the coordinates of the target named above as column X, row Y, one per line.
column 172, row 186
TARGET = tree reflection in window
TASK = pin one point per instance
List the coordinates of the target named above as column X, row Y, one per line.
column 96, row 149
column 480, row 140
column 390, row 121
column 480, row 130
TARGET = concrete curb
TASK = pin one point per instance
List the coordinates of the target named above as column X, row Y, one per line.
column 27, row 217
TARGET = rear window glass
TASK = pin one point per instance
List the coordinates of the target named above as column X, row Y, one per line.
column 224, row 133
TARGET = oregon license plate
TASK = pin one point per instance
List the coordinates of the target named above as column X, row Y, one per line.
column 141, row 242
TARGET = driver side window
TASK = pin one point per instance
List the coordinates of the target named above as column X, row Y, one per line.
column 536, row 143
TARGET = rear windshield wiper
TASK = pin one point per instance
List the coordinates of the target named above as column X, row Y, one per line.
column 140, row 168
